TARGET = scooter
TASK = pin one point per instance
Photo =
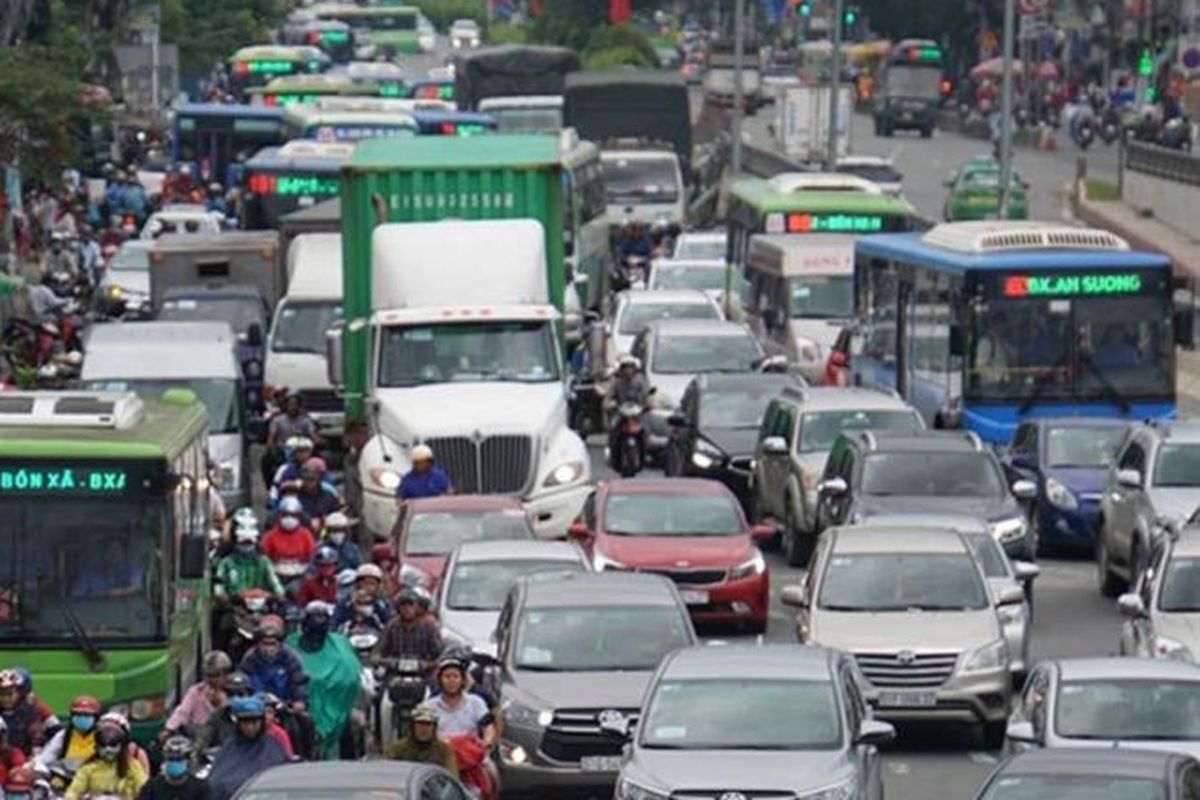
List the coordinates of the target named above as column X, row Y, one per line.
column 405, row 688
column 627, row 459
column 1084, row 133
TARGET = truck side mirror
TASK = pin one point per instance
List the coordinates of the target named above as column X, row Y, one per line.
column 333, row 357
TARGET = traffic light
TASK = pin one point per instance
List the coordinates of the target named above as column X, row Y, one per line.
column 1146, row 63
column 850, row 17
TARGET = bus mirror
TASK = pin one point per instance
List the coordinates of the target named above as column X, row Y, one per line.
column 192, row 557
column 958, row 340
column 333, row 356
column 1185, row 327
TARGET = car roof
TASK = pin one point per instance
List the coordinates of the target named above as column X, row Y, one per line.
column 698, row 327
column 892, row 441
column 586, row 589
column 464, row 502
column 947, row 523
column 1106, row 762
column 754, row 661
column 663, row 297
column 1125, row 667
column 664, row 486
column 847, row 398
column 710, row 236
column 1180, row 430
column 1188, row 542
column 899, row 539
column 389, row 776
column 716, row 382
column 518, row 549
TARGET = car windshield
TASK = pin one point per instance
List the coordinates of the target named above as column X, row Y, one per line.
column 641, row 180
column 1178, row 465
column 131, row 259
column 522, row 352
column 300, row 327
column 239, row 312
column 902, row 582
column 483, row 585
column 527, row 120
column 820, row 429
column 219, row 396
column 735, row 408
column 1073, row 787
column 1128, row 709
column 54, row 583
column 989, row 554
column 637, row 316
column 742, row 714
column 599, row 638
column 931, row 475
column 682, row 355
column 689, row 276
column 821, row 298
column 701, row 249
column 1082, row 446
column 439, row 532
column 671, row 514
column 1181, row 585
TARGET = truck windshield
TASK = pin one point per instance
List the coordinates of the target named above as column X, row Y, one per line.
column 641, row 180
column 80, row 564
column 922, row 83
column 301, row 327
column 521, row 351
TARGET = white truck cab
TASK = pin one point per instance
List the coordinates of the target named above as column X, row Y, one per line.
column 644, row 184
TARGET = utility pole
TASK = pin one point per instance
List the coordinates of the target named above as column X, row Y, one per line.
column 739, row 56
column 835, row 85
column 1006, row 108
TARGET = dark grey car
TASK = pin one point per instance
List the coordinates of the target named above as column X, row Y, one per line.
column 1093, row 774
column 774, row 721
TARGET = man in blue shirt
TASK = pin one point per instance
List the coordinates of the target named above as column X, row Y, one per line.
column 115, row 576
column 426, row 478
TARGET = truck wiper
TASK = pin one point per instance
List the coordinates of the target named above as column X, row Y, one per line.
column 1118, row 398
column 91, row 653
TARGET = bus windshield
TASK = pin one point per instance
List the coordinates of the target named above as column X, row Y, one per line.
column 822, row 298
column 383, row 22
column 1099, row 348
column 93, row 570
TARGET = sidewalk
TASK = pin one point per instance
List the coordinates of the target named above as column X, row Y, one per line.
column 1146, row 232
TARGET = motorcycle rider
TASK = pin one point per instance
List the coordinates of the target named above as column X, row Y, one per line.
column 274, row 667
column 135, row 749
column 317, row 496
column 425, row 479
column 337, row 531
column 289, row 539
column 628, row 386
column 291, row 421
column 112, row 771
column 322, row 584
column 176, row 781
column 366, row 601
column 384, row 556
column 220, row 727
column 76, row 741
column 11, row 758
column 249, row 752
column 274, row 729
column 45, row 714
column 634, row 241
column 19, row 784
column 422, row 745
column 202, row 699
column 44, row 303
column 25, row 728
column 466, row 723
column 334, row 670
column 408, row 636
column 244, row 569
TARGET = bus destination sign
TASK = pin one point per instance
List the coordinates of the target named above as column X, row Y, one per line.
column 1074, row 285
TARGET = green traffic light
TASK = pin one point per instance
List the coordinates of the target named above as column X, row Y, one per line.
column 805, row 10
column 1145, row 64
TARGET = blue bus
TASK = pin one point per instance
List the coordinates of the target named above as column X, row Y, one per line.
column 213, row 137
column 981, row 324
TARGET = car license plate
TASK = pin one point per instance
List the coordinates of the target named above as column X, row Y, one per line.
column 600, row 763
column 693, row 597
column 907, row 699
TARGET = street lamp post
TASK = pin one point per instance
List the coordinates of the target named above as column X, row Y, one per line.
column 739, row 56
column 835, row 81
column 1006, row 108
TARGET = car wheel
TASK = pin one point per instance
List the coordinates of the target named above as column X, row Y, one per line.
column 1110, row 584
column 796, row 547
column 993, row 734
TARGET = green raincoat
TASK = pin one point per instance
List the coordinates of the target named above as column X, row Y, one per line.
column 333, row 686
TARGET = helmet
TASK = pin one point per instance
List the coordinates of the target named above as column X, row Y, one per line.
column 346, row 577
column 10, row 679
column 422, row 452
column 216, row 662
column 20, row 781
column 425, row 713
column 26, row 677
column 317, row 608
column 299, row 443
column 245, row 516
column 109, row 734
column 177, row 748
column 452, row 662
column 312, row 468
column 369, row 571
column 325, row 556
column 247, row 708
column 423, row 597
column 85, row 704
column 246, row 533
column 338, row 521
column 269, row 700
column 290, row 505
column 116, row 718
column 237, row 682
column 272, row 627
column 407, row 595
column 382, row 552
column 628, row 360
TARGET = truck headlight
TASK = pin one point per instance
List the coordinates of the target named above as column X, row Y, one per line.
column 385, row 478
column 1007, row 530
column 564, row 474
column 1166, row 647
column 755, row 565
column 993, row 655
column 1060, row 495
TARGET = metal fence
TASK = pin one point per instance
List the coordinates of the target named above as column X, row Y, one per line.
column 1162, row 162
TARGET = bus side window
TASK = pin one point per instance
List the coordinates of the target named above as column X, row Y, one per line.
column 882, row 297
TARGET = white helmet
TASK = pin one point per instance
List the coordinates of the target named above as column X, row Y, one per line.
column 628, row 360
column 422, row 452
column 338, row 520
column 246, row 533
column 290, row 505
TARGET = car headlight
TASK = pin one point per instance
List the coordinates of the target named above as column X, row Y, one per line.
column 846, row 790
column 564, row 474
column 993, row 655
column 707, row 454
column 755, row 565
column 1166, row 647
column 628, row 790
column 526, row 716
column 1060, row 495
column 1007, row 530
column 385, row 478
column 601, row 562
column 115, row 292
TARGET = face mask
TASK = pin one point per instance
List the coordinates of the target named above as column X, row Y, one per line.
column 289, row 523
column 246, row 547
column 11, row 796
column 175, row 769
column 83, row 722
column 337, row 537
column 108, row 753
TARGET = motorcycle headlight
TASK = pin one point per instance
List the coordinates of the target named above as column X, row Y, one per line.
column 564, row 474
column 1007, row 530
column 755, row 565
column 115, row 292
column 707, row 454
column 384, row 478
column 993, row 655
column 846, row 790
column 1166, row 647
column 526, row 716
column 601, row 562
column 1060, row 495
column 628, row 790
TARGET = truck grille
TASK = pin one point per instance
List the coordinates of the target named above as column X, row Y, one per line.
column 906, row 670
column 491, row 465
column 321, row 400
column 691, row 577
column 575, row 733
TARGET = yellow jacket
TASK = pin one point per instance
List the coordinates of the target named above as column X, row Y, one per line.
column 99, row 777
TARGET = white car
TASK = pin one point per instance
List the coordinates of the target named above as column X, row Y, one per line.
column 464, row 34
column 181, row 219
column 877, row 169
column 637, row 309
column 703, row 275
column 701, row 245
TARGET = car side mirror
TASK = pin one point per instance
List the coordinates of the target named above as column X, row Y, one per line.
column 333, row 357
column 762, row 532
column 1026, row 571
column 834, row 487
column 875, row 732
column 1130, row 605
column 1021, row 732
column 1129, row 478
column 1024, row 490
column 775, row 446
column 193, row 557
column 1010, row 596
column 578, row 530
column 794, row 595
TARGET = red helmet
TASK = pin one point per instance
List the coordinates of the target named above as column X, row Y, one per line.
column 20, row 781
column 85, row 704
column 382, row 552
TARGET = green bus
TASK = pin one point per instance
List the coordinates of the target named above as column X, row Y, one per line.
column 104, row 516
column 259, row 64
column 291, row 90
column 392, row 30
column 585, row 225
column 810, row 202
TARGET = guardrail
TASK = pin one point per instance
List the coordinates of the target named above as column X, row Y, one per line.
column 1162, row 162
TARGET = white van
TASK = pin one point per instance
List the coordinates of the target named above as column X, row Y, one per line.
column 148, row 357
column 313, row 305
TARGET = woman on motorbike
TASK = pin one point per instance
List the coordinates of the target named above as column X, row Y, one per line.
column 201, row 699
column 77, row 741
column 113, row 770
column 334, row 672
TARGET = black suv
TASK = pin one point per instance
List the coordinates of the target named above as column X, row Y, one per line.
column 871, row 473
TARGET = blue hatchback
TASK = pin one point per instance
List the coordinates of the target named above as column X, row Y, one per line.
column 1068, row 458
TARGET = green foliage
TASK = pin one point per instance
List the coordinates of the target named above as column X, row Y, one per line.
column 568, row 23
column 616, row 58
column 442, row 13
column 503, row 33
column 209, row 31
column 624, row 42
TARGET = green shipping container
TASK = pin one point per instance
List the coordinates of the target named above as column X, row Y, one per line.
column 425, row 179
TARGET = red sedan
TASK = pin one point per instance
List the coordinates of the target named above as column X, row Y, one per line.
column 691, row 530
column 427, row 531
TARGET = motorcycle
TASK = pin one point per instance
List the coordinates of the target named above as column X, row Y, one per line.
column 1084, row 133
column 627, row 456
column 1110, row 125
column 249, row 607
column 404, row 688
column 1177, row 135
column 291, row 575
column 363, row 636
